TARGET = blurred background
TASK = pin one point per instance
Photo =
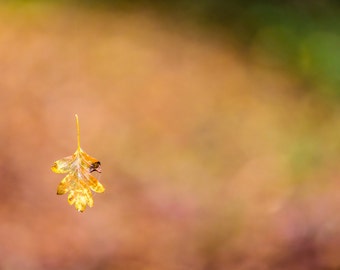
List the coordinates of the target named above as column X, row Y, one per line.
column 217, row 124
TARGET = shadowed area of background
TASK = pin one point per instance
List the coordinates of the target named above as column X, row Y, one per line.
column 217, row 126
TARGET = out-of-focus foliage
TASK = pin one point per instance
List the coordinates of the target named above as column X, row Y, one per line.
column 303, row 36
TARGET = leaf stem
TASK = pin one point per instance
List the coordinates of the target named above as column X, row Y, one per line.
column 78, row 131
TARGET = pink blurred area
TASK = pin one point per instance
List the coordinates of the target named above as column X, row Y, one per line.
column 209, row 160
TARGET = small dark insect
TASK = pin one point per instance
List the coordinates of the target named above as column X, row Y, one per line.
column 95, row 167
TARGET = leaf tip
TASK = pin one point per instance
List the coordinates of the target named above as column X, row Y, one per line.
column 54, row 168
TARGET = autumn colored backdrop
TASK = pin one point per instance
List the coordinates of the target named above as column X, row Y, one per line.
column 219, row 139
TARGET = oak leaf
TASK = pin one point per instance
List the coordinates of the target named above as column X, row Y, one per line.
column 79, row 181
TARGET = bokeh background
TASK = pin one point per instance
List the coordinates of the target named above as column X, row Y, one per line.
column 217, row 124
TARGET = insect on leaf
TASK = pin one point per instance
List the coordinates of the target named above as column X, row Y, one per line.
column 79, row 182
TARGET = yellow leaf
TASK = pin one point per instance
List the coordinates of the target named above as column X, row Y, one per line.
column 79, row 181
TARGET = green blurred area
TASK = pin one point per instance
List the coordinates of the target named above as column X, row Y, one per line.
column 300, row 36
column 303, row 36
